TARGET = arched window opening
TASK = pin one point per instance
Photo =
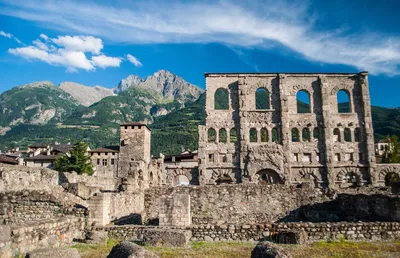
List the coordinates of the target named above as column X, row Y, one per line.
column 347, row 135
column 221, row 99
column 357, row 135
column 222, row 135
column 224, row 179
column 232, row 135
column 151, row 177
column 262, row 99
column 336, row 135
column 350, row 178
column 211, row 135
column 391, row 178
column 295, row 135
column 303, row 102
column 316, row 134
column 306, row 134
column 275, row 135
column 253, row 135
column 343, row 100
column 264, row 135
column 181, row 180
column 269, row 176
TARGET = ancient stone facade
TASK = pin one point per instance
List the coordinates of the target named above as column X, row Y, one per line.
column 278, row 142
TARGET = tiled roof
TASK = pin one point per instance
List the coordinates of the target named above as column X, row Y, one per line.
column 7, row 160
column 43, row 157
column 106, row 149
column 63, row 148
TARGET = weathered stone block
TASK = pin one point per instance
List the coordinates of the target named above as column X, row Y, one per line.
column 130, row 250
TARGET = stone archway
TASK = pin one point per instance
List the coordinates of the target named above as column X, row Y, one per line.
column 269, row 176
column 180, row 180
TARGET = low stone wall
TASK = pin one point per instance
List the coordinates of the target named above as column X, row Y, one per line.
column 360, row 231
column 22, row 206
column 15, row 178
column 165, row 236
column 49, row 233
column 253, row 203
column 105, row 184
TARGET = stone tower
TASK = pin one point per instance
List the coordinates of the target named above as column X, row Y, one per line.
column 134, row 154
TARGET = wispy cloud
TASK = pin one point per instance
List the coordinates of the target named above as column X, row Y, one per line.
column 10, row 36
column 68, row 51
column 243, row 24
column 134, row 60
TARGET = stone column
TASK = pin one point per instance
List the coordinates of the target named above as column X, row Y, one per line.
column 328, row 133
column 244, row 130
column 285, row 128
column 368, row 137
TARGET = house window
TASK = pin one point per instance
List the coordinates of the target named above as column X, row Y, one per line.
column 112, row 161
column 295, row 157
column 113, row 153
column 337, row 156
column 98, row 154
column 211, row 157
column 98, row 161
column 106, row 153
column 104, row 162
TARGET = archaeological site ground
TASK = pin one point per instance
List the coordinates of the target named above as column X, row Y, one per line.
column 268, row 168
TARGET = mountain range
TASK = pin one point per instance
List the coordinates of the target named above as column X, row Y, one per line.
column 43, row 112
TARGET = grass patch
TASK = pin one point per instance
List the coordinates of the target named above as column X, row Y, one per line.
column 346, row 249
column 95, row 250
column 340, row 249
column 206, row 250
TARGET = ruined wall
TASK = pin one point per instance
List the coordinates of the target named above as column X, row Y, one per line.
column 49, row 233
column 357, row 231
column 108, row 184
column 107, row 207
column 253, row 203
column 14, row 178
column 274, row 152
column 21, row 206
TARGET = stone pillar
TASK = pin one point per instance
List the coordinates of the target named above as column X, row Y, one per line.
column 244, row 130
column 203, row 159
column 368, row 135
column 175, row 210
column 328, row 132
column 99, row 209
column 285, row 129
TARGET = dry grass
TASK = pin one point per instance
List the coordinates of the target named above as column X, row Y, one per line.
column 342, row 249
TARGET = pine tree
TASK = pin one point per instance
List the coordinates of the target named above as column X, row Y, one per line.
column 76, row 160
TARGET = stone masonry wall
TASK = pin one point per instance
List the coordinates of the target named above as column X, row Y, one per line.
column 14, row 178
column 24, row 206
column 49, row 233
column 252, row 204
column 358, row 231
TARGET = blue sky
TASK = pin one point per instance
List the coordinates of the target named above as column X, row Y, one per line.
column 101, row 42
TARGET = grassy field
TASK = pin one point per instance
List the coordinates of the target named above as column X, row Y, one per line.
column 342, row 249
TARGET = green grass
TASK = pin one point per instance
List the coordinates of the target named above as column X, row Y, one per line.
column 95, row 250
column 340, row 249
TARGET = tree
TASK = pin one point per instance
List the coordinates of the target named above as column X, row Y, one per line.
column 76, row 160
column 392, row 150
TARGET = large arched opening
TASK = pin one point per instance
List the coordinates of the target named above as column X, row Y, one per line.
column 181, row 180
column 269, row 176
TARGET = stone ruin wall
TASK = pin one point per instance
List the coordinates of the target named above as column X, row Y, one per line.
column 252, row 204
column 242, row 160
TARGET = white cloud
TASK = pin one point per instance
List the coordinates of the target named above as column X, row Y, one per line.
column 10, row 36
column 134, row 60
column 106, row 61
column 80, row 43
column 240, row 24
column 68, row 51
column 7, row 35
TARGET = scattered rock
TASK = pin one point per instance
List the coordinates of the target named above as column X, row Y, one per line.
column 96, row 237
column 63, row 252
column 269, row 250
column 130, row 250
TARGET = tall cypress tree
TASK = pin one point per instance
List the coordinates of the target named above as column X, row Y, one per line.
column 76, row 160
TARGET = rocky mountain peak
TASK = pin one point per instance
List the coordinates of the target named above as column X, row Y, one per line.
column 85, row 95
column 38, row 84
